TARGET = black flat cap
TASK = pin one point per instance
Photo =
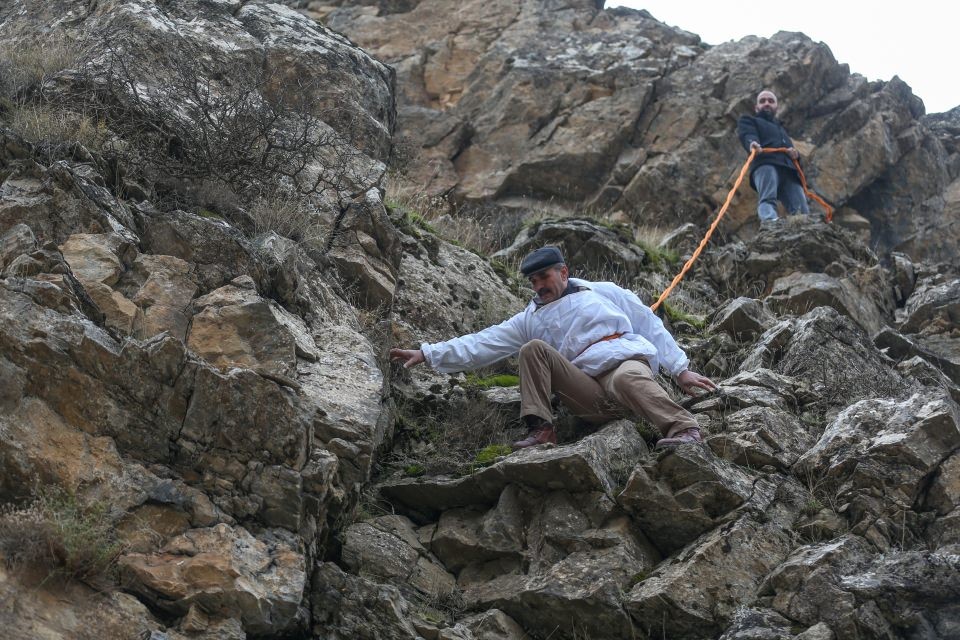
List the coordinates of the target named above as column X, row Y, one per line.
column 540, row 259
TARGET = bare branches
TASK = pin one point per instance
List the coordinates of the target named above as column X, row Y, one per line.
column 178, row 118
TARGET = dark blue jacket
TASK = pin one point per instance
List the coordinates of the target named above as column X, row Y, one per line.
column 767, row 130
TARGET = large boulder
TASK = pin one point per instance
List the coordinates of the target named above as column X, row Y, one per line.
column 697, row 592
column 225, row 569
column 831, row 356
column 683, row 495
column 894, row 444
column 805, row 587
column 798, row 293
column 929, row 319
column 588, row 248
column 591, row 465
column 344, row 606
column 842, row 584
column 388, row 548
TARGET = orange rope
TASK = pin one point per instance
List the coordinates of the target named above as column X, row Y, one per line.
column 723, row 210
column 706, row 238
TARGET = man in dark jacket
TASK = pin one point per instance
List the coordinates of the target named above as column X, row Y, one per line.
column 772, row 175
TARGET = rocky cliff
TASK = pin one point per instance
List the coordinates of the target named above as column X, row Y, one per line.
column 204, row 258
column 565, row 104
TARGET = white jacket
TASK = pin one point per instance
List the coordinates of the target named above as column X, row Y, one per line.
column 574, row 325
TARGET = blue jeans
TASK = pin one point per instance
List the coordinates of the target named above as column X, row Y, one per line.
column 775, row 184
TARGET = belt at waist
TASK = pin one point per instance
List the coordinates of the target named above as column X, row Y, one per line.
column 612, row 336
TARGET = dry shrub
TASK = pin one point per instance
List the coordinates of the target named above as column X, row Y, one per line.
column 25, row 67
column 43, row 123
column 291, row 217
column 180, row 119
column 445, row 437
column 436, row 214
column 242, row 122
column 650, row 235
column 56, row 532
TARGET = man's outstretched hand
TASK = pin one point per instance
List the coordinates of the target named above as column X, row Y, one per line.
column 410, row 357
column 689, row 379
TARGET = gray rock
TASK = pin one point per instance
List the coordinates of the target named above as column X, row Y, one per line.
column 387, row 549
column 16, row 240
column 587, row 465
column 682, row 495
column 934, row 301
column 743, row 319
column 758, row 624
column 827, row 353
column 912, row 591
column 758, row 436
column 883, row 443
column 806, row 587
column 586, row 246
column 694, row 595
column 928, row 375
column 465, row 536
column 345, row 606
column 798, row 293
column 494, row 625
column 943, row 534
column 365, row 247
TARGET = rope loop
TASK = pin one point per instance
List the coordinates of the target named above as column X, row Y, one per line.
column 723, row 211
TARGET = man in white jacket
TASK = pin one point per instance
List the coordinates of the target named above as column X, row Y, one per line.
column 594, row 344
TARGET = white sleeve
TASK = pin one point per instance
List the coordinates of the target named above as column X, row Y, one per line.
column 647, row 324
column 477, row 349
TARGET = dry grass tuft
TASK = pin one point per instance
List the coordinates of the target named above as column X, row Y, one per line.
column 58, row 533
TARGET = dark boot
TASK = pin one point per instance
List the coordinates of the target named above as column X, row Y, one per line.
column 690, row 435
column 543, row 434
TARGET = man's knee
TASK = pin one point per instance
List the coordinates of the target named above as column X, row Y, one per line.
column 534, row 347
column 631, row 375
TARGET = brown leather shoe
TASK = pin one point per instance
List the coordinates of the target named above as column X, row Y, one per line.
column 544, row 434
column 687, row 436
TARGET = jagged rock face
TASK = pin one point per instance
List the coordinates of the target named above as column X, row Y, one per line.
column 174, row 366
column 842, row 585
column 894, row 444
column 586, row 247
column 222, row 569
column 613, row 109
column 504, row 92
column 220, row 390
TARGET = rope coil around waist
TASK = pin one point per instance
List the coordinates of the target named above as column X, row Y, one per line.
column 726, row 205
column 612, row 336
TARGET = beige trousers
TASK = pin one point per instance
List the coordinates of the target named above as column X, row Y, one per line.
column 630, row 386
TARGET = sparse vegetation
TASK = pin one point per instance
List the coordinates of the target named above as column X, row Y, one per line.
column 659, row 258
column 812, row 506
column 56, row 532
column 489, row 454
column 414, row 470
column 291, row 217
column 647, row 431
column 419, row 211
column 446, row 437
column 677, row 315
column 488, row 382
column 638, row 577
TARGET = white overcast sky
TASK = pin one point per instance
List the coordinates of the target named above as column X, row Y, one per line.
column 916, row 40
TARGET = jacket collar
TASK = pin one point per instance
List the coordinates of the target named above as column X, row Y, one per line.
column 571, row 288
